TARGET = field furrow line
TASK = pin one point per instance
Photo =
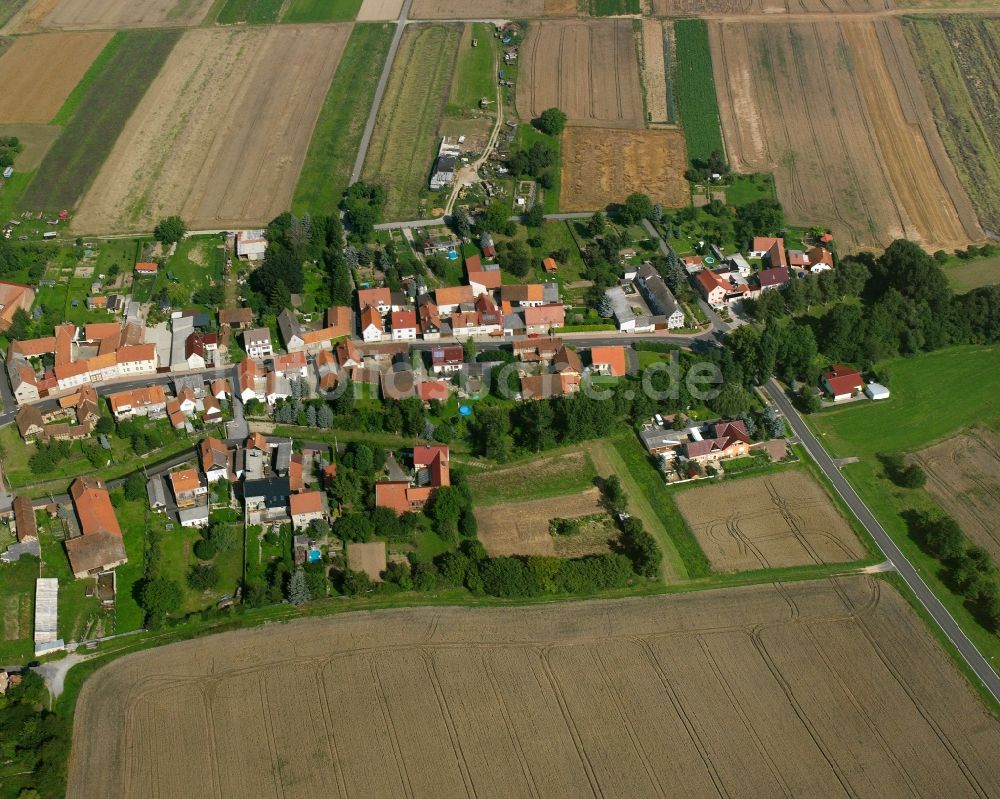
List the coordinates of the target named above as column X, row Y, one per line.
column 800, row 712
column 619, row 703
column 515, row 739
column 265, row 711
column 390, row 728
column 319, row 681
column 682, row 714
column 560, row 697
column 449, row 721
column 211, row 739
column 860, row 709
column 741, row 714
column 941, row 736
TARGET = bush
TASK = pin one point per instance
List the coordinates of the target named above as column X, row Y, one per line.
column 203, row 576
column 552, row 121
column 205, row 549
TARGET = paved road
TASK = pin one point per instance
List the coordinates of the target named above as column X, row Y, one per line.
column 940, row 614
column 383, row 81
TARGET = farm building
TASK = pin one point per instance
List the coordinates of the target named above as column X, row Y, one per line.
column 445, row 166
column 251, row 245
column 46, row 615
column 876, row 391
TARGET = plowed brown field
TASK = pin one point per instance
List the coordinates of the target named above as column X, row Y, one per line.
column 837, row 112
column 784, row 519
column 601, row 166
column 688, row 8
column 589, row 69
column 221, row 135
column 37, row 73
column 111, row 14
column 964, row 477
column 830, row 688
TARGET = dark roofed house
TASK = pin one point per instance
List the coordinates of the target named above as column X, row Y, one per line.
column 266, row 499
column 772, row 278
column 444, row 172
column 661, row 300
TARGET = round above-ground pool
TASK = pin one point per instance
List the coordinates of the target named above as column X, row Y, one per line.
column 709, row 259
column 453, row 256
column 465, row 410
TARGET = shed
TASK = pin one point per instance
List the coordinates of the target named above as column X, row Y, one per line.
column 876, row 391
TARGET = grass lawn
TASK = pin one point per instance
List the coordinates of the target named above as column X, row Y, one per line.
column 17, row 601
column 430, row 545
column 528, row 135
column 255, row 12
column 747, row 188
column 321, row 11
column 967, row 275
column 474, row 77
column 178, row 558
column 551, row 473
column 933, row 396
column 135, row 519
column 335, row 139
column 101, row 113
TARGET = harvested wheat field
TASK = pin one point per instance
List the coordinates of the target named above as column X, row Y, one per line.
column 589, row 69
column 38, row 73
column 867, row 160
column 522, row 528
column 221, row 135
column 963, row 475
column 91, row 14
column 654, row 69
column 689, row 8
column 830, row 688
column 492, row 9
column 379, row 10
column 602, row 166
column 783, row 519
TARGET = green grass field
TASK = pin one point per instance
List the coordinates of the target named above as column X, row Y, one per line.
column 608, row 8
column 967, row 275
column 100, row 114
column 405, row 142
column 745, row 189
column 562, row 474
column 254, row 12
column 474, row 78
column 335, row 140
column 696, row 100
column 321, row 11
column 17, row 601
column 933, row 396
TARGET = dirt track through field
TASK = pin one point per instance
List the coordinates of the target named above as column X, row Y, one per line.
column 221, row 135
column 589, row 69
column 783, row 519
column 867, row 160
column 602, row 166
column 110, row 14
column 654, row 70
column 830, row 688
column 38, row 73
column 963, row 475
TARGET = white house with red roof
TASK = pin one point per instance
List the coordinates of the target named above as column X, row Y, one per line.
column 404, row 325
column 841, row 382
